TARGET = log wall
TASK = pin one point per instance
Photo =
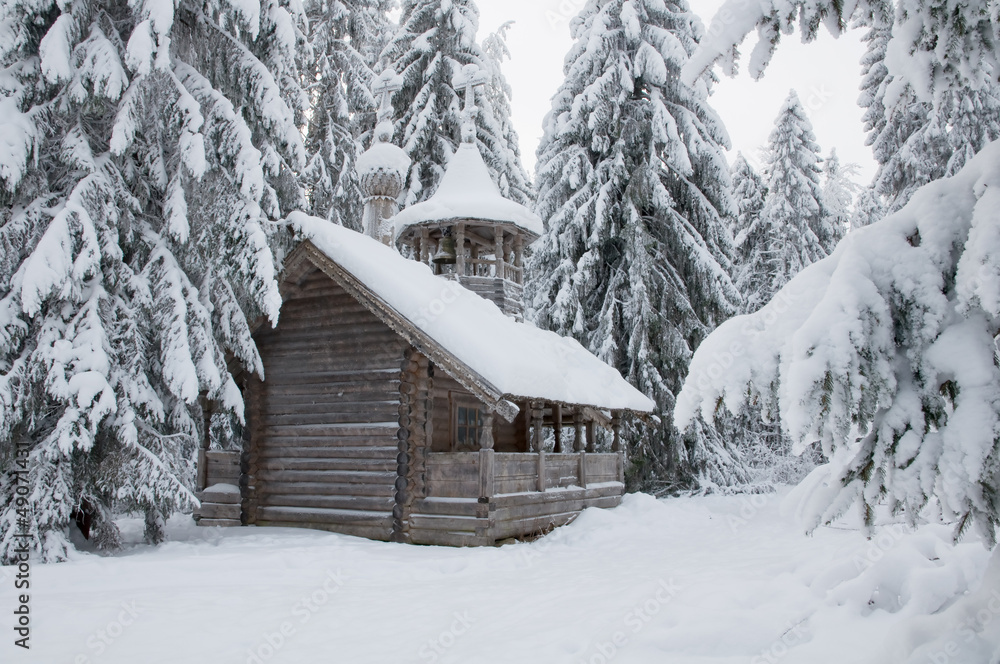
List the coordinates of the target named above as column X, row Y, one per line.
column 327, row 416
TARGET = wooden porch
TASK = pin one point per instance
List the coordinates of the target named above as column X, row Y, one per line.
column 518, row 494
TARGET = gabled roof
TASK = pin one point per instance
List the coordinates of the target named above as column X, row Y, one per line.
column 467, row 191
column 495, row 357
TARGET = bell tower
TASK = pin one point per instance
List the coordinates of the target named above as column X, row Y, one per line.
column 467, row 230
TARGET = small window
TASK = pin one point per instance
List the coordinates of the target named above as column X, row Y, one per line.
column 468, row 426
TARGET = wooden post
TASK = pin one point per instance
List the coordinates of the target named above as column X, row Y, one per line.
column 577, row 429
column 518, row 257
column 537, row 408
column 425, row 245
column 486, row 473
column 498, row 250
column 616, row 428
column 206, row 442
column 460, row 250
column 557, row 426
column 591, row 437
column 256, row 389
column 616, row 445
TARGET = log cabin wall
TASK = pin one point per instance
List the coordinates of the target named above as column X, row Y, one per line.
column 507, row 436
column 324, row 441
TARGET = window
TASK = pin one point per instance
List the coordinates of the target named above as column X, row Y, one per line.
column 468, row 418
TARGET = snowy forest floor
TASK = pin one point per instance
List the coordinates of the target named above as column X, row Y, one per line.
column 717, row 579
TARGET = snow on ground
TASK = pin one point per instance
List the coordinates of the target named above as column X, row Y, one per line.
column 684, row 580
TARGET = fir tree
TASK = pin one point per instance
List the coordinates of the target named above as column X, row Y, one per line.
column 634, row 188
column 793, row 228
column 749, row 192
column 346, row 37
column 434, row 41
column 148, row 145
column 839, row 189
column 868, row 208
column 916, row 141
column 512, row 179
column 885, row 352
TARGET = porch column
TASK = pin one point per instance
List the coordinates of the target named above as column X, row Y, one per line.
column 519, row 258
column 616, row 428
column 498, row 251
column 591, row 437
column 557, row 427
column 537, row 409
column 486, row 460
column 616, row 445
column 578, row 429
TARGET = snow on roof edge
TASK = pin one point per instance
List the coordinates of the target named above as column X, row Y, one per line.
column 518, row 359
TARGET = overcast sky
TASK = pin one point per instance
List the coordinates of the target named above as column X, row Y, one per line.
column 825, row 74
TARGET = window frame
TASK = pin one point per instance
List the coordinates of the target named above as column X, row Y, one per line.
column 462, row 400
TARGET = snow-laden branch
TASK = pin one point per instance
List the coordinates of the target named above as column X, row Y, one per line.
column 885, row 353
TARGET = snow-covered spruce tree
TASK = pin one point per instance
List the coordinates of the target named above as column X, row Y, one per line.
column 148, row 144
column 634, row 188
column 793, row 228
column 916, row 141
column 434, row 41
column 885, row 352
column 839, row 190
column 500, row 132
column 868, row 208
column 346, row 38
column 749, row 192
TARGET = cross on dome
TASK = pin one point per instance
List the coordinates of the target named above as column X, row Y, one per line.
column 469, row 77
column 387, row 83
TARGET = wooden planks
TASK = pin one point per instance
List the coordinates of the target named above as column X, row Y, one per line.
column 325, row 441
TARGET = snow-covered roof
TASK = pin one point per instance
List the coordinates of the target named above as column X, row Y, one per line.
column 468, row 192
column 518, row 360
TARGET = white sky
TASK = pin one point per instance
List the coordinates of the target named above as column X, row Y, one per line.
column 825, row 74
